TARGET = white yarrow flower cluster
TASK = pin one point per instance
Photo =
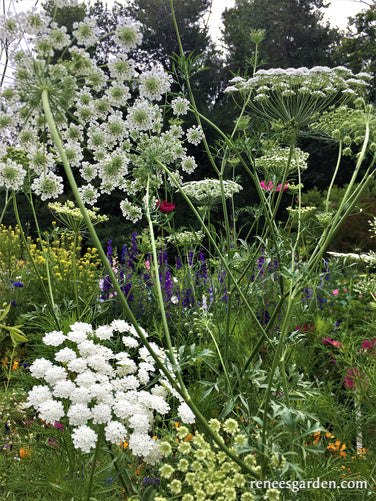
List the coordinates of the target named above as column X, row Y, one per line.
column 91, row 385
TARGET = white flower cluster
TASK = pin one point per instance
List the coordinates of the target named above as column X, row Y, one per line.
column 12, row 174
column 297, row 95
column 116, row 118
column 319, row 79
column 91, row 385
column 208, row 191
column 275, row 161
column 186, row 238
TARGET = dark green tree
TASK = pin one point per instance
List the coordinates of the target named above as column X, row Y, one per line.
column 357, row 48
column 295, row 33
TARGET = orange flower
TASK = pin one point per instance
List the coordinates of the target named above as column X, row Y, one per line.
column 188, row 437
column 123, row 445
column 317, row 438
column 15, row 365
column 337, row 447
column 24, row 453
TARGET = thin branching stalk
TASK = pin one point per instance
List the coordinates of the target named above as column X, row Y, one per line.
column 6, row 203
column 334, row 176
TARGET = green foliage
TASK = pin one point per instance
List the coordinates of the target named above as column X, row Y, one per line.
column 356, row 48
column 294, row 33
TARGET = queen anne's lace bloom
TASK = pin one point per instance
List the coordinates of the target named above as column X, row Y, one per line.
column 208, row 191
column 12, row 175
column 154, row 83
column 48, row 186
column 116, row 116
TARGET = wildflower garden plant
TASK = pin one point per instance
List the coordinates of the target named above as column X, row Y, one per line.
column 195, row 357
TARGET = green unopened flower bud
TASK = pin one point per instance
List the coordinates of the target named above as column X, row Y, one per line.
column 336, row 134
column 257, row 36
column 347, row 140
column 242, row 123
column 359, row 102
column 347, row 152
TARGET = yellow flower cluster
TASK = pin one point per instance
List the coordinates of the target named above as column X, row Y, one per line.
column 11, row 248
column 58, row 255
column 62, row 256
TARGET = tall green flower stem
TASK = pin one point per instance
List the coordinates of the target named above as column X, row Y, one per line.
column 45, row 253
column 161, row 366
column 6, row 203
column 277, row 361
column 157, row 283
column 347, row 204
column 48, row 294
column 334, row 176
column 94, row 462
column 74, row 268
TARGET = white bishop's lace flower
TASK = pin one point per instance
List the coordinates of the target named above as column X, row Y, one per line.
column 38, row 395
column 79, row 414
column 195, row 135
column 86, row 32
column 101, row 413
column 154, row 83
column 180, row 106
column 208, row 191
column 12, row 175
column 48, row 186
column 128, row 33
column 39, row 367
column 186, row 414
column 51, row 411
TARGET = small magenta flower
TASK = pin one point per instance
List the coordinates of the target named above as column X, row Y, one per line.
column 335, row 292
column 270, row 186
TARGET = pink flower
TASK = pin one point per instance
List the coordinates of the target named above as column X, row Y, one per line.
column 369, row 345
column 147, row 264
column 270, row 187
column 351, row 379
column 335, row 292
column 329, row 340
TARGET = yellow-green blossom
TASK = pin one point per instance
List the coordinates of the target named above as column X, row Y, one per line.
column 175, row 486
column 231, row 426
column 166, row 471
